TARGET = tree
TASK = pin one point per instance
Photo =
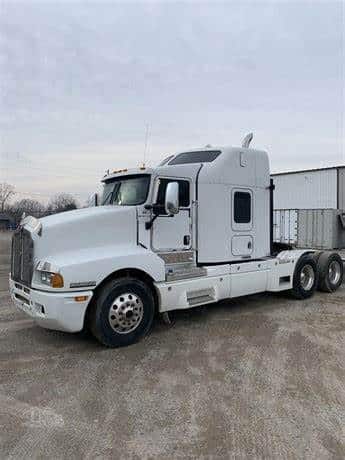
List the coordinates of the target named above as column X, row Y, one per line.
column 61, row 203
column 27, row 206
column 6, row 192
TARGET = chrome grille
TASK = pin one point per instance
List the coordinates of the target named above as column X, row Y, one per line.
column 22, row 256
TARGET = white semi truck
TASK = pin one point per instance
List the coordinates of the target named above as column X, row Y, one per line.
column 192, row 231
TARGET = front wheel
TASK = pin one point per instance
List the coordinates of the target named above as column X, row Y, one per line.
column 123, row 312
column 305, row 278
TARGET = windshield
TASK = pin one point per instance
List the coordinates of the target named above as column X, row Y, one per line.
column 126, row 191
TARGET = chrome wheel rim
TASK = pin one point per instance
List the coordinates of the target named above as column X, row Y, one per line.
column 126, row 313
column 307, row 277
column 334, row 272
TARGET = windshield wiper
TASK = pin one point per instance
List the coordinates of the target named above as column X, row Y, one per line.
column 106, row 198
column 111, row 194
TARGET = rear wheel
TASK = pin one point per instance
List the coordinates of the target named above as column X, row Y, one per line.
column 331, row 271
column 305, row 278
column 123, row 312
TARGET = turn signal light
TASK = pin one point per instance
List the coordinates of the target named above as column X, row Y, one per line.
column 56, row 280
column 81, row 298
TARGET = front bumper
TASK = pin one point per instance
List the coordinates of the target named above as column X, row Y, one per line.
column 59, row 311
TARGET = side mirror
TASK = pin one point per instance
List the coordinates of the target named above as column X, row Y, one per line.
column 171, row 198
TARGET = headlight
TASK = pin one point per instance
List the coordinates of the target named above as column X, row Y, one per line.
column 54, row 280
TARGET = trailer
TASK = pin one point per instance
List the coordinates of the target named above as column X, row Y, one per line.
column 310, row 228
column 196, row 229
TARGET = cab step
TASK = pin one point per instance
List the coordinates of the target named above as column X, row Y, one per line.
column 201, row 296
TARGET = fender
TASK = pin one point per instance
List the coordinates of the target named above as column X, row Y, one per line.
column 292, row 255
column 92, row 266
column 285, row 263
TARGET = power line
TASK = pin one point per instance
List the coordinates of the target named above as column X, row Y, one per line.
column 80, row 196
column 23, row 161
column 25, row 165
column 47, row 168
column 26, row 171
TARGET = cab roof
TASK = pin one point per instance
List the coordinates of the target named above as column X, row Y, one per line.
column 219, row 165
column 127, row 172
column 222, row 165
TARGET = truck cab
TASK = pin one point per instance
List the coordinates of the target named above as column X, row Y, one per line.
column 194, row 230
column 223, row 204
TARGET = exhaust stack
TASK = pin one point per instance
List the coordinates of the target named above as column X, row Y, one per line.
column 247, row 140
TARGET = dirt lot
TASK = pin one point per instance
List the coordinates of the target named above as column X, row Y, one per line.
column 252, row 378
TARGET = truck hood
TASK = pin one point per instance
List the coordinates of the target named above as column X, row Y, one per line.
column 86, row 228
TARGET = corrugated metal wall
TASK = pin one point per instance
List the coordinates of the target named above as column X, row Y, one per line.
column 285, row 226
column 309, row 228
column 308, row 190
column 317, row 228
column 341, row 188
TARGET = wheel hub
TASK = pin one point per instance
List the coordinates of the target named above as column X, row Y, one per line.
column 307, row 277
column 334, row 272
column 126, row 313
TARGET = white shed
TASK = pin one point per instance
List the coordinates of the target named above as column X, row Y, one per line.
column 310, row 189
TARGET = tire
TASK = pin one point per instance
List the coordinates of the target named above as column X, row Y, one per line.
column 316, row 255
column 122, row 313
column 305, row 278
column 331, row 271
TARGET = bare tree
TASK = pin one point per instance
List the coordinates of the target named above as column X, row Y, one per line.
column 27, row 206
column 62, row 202
column 6, row 192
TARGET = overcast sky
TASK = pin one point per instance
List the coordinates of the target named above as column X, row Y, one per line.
column 79, row 82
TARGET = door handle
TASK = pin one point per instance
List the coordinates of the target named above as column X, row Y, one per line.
column 249, row 245
column 186, row 240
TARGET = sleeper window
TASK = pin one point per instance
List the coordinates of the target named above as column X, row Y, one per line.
column 242, row 207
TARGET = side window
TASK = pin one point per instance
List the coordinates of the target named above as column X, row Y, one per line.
column 242, row 207
column 184, row 193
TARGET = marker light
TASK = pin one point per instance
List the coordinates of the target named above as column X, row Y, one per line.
column 81, row 298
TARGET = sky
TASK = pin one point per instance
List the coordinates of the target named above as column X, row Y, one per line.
column 80, row 81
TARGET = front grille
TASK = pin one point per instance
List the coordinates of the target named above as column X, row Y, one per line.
column 22, row 256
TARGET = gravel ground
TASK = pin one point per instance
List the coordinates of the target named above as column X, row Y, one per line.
column 257, row 377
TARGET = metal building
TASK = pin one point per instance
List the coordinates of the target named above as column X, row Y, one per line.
column 6, row 222
column 322, row 188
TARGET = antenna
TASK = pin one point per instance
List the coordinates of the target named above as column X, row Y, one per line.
column 247, row 140
column 146, row 142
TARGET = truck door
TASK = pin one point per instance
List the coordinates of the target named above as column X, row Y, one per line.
column 242, row 242
column 173, row 232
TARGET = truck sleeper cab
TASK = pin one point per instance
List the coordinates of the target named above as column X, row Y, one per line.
column 192, row 231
